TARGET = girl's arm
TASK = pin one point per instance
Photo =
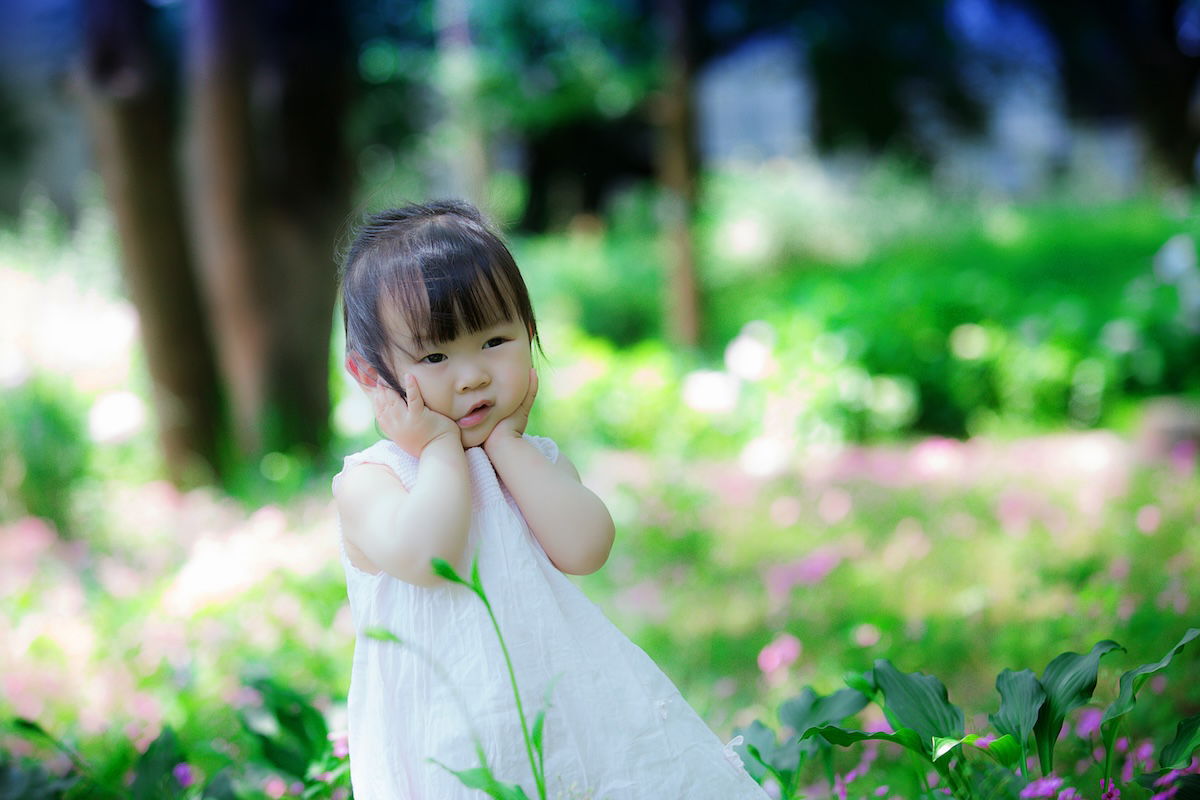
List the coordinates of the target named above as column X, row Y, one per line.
column 401, row 531
column 571, row 523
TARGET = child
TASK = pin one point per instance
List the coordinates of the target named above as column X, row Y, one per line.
column 439, row 332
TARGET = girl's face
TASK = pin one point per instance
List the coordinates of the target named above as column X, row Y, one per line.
column 475, row 379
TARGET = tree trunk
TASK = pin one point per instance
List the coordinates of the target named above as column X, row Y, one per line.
column 303, row 92
column 677, row 175
column 131, row 120
column 461, row 130
column 224, row 210
column 269, row 191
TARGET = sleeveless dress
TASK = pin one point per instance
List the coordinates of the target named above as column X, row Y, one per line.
column 616, row 728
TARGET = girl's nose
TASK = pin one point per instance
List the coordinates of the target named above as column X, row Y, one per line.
column 472, row 378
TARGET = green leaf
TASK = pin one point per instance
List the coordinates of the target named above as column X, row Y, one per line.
column 482, row 778
column 811, row 710
column 1178, row 753
column 442, row 568
column 761, row 752
column 1131, row 683
column 905, row 737
column 861, row 682
column 919, row 702
column 1189, row 785
column 1068, row 681
column 1005, row 751
column 154, row 778
column 220, row 787
column 539, row 723
column 303, row 731
column 476, row 583
column 1021, row 698
column 383, row 635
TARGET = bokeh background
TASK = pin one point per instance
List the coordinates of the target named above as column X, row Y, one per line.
column 876, row 324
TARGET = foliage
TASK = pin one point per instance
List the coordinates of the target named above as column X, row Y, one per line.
column 43, row 450
column 924, row 722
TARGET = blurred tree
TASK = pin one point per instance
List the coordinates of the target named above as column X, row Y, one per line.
column 1135, row 59
column 130, row 111
column 677, row 169
column 265, row 92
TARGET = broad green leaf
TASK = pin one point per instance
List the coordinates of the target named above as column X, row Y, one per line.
column 220, row 787
column 945, row 744
column 756, row 738
column 1131, row 683
column 861, row 682
column 811, row 710
column 919, row 702
column 383, row 635
column 1068, row 681
column 1189, row 785
column 1021, row 697
column 905, row 737
column 298, row 720
column 766, row 753
column 1178, row 753
column 1004, row 751
column 153, row 776
column 441, row 567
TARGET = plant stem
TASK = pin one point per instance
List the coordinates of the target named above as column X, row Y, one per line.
column 538, row 776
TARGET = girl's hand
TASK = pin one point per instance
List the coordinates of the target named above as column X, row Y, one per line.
column 514, row 425
column 410, row 424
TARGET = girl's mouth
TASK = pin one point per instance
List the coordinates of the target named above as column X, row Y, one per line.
column 475, row 415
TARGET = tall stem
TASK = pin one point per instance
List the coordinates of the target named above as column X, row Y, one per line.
column 538, row 776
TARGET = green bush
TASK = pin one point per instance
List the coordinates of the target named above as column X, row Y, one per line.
column 44, row 449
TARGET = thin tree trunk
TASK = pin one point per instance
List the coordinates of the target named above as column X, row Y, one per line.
column 677, row 176
column 131, row 121
column 224, row 209
column 461, row 129
column 303, row 91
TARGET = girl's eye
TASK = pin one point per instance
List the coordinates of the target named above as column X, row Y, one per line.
column 434, row 358
column 495, row 341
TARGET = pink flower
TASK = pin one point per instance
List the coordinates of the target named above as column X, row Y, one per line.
column 1111, row 792
column 275, row 787
column 1069, row 793
column 779, row 654
column 341, row 744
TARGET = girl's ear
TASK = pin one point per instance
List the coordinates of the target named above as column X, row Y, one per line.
column 366, row 375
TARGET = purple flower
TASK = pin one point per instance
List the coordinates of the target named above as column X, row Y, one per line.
column 1111, row 792
column 183, row 774
column 1089, row 722
column 1042, row 787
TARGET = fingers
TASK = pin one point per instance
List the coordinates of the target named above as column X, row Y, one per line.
column 416, row 403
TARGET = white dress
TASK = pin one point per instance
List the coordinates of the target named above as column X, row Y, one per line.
column 616, row 729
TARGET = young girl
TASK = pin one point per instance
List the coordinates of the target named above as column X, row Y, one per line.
column 439, row 332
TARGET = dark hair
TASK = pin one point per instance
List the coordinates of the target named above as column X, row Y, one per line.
column 441, row 267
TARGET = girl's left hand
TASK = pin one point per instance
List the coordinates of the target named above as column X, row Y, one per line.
column 514, row 425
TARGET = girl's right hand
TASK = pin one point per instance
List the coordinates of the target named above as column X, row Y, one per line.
column 411, row 425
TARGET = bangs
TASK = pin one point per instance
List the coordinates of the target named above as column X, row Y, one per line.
column 457, row 290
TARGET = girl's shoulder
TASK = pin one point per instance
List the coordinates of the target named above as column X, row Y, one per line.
column 546, row 445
